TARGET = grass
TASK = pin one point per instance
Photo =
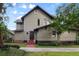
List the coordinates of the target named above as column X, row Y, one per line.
column 20, row 44
column 53, row 54
column 17, row 52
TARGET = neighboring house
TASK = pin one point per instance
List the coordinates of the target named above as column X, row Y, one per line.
column 35, row 26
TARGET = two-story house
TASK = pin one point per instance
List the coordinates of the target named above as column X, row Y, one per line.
column 35, row 25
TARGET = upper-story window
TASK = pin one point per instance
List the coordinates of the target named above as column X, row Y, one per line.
column 38, row 22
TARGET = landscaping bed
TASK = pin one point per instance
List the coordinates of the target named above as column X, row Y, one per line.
column 44, row 46
column 12, row 52
column 51, row 44
column 60, row 46
column 19, row 44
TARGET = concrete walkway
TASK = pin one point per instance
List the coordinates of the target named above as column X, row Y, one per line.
column 50, row 49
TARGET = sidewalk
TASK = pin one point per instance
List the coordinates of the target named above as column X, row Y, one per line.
column 50, row 49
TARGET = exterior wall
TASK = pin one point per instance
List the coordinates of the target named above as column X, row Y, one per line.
column 45, row 35
column 68, row 36
column 31, row 21
column 19, row 36
column 19, row 26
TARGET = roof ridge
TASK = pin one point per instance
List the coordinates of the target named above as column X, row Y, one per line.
column 36, row 8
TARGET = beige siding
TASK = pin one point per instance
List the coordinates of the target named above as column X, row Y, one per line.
column 68, row 36
column 19, row 26
column 30, row 21
column 45, row 35
column 19, row 36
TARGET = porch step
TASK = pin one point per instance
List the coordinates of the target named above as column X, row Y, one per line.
column 31, row 43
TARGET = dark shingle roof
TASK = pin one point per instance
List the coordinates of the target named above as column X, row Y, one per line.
column 18, row 31
column 18, row 21
column 42, row 27
column 37, row 7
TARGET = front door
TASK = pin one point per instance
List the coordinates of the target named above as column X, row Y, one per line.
column 31, row 42
column 31, row 35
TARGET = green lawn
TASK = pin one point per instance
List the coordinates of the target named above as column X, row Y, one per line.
column 17, row 52
column 53, row 54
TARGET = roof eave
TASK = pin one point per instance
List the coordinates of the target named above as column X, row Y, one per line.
column 52, row 17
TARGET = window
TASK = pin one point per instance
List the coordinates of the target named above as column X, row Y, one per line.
column 38, row 22
column 26, row 32
column 53, row 32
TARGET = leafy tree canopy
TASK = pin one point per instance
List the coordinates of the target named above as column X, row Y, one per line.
column 67, row 17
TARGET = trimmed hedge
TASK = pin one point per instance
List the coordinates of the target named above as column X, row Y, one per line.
column 68, row 42
column 47, row 43
column 55, row 43
column 77, row 42
column 6, row 47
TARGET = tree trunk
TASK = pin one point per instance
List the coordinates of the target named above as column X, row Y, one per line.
column 1, row 39
column 58, row 38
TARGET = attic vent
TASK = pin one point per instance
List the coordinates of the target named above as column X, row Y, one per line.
column 35, row 12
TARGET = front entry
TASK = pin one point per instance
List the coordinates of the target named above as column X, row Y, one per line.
column 31, row 35
column 31, row 42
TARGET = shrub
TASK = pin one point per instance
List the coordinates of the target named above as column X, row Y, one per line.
column 47, row 43
column 77, row 42
column 67, row 42
column 8, row 40
column 6, row 47
column 15, row 46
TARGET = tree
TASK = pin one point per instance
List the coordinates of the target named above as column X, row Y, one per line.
column 67, row 18
column 3, row 28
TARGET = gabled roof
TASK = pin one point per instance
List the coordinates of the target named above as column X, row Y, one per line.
column 37, row 7
column 18, row 21
column 18, row 31
column 49, row 25
column 42, row 27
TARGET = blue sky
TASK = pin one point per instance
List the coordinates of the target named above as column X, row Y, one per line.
column 19, row 9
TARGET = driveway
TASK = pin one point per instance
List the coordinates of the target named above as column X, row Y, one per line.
column 50, row 49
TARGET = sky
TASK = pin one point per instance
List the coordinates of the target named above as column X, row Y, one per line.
column 20, row 9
